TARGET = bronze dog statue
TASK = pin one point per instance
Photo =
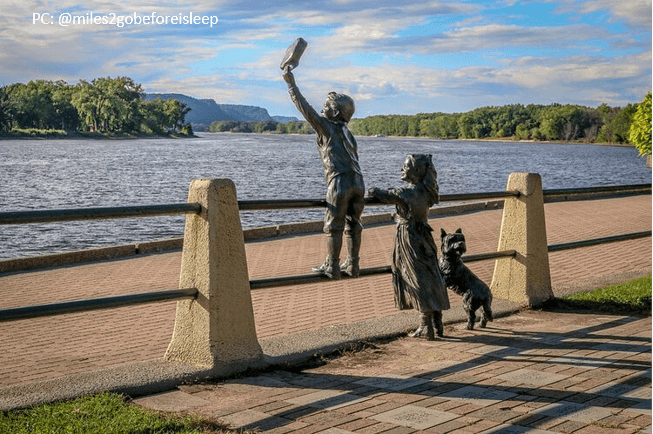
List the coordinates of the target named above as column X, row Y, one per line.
column 461, row 280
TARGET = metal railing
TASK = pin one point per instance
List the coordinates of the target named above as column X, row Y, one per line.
column 95, row 304
column 270, row 204
column 61, row 215
column 597, row 241
column 386, row 269
column 49, row 216
column 75, row 214
column 626, row 188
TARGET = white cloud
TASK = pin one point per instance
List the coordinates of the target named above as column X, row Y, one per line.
column 633, row 12
column 366, row 49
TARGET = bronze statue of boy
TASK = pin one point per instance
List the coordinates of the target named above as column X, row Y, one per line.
column 339, row 153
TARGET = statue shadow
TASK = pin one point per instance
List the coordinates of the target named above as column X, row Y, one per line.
column 540, row 355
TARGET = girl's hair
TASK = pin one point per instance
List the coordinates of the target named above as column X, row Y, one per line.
column 426, row 176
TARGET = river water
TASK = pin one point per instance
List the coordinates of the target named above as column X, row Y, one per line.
column 55, row 174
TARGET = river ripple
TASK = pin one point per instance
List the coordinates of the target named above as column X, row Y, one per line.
column 54, row 174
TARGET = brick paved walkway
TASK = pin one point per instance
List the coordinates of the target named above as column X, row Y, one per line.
column 46, row 348
column 535, row 372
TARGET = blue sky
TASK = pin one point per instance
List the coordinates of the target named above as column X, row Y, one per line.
column 392, row 57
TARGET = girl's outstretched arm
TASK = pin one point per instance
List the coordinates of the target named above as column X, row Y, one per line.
column 387, row 196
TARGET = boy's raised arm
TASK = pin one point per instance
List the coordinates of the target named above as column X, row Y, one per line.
column 309, row 113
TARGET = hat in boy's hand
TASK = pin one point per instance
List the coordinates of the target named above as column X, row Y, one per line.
column 294, row 53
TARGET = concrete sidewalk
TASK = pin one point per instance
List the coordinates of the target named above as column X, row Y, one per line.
column 121, row 349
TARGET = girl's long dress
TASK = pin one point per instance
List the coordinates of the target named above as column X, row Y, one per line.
column 416, row 276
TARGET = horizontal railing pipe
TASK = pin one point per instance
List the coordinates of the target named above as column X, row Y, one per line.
column 478, row 196
column 258, row 205
column 95, row 304
column 254, row 205
column 491, row 255
column 605, row 189
column 597, row 241
column 58, row 215
column 386, row 269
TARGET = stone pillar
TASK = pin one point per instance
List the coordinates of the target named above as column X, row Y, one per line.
column 217, row 328
column 526, row 278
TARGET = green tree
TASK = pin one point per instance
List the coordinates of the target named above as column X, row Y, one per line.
column 282, row 128
column 222, row 126
column 639, row 133
column 42, row 104
column 429, row 128
column 107, row 104
column 466, row 123
column 66, row 114
column 5, row 116
column 87, row 99
column 607, row 113
column 266, row 126
column 29, row 107
column 616, row 123
column 441, row 126
column 522, row 132
column 621, row 123
column 153, row 117
column 569, row 122
column 175, row 113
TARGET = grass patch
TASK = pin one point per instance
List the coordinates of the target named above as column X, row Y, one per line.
column 104, row 413
column 632, row 297
column 34, row 133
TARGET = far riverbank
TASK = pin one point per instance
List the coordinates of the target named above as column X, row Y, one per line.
column 65, row 135
column 510, row 140
column 503, row 140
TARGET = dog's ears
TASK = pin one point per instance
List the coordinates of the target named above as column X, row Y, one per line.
column 443, row 233
column 459, row 231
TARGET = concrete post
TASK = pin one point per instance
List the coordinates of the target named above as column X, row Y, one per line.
column 217, row 328
column 526, row 278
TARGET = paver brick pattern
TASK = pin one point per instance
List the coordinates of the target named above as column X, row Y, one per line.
column 46, row 348
column 448, row 391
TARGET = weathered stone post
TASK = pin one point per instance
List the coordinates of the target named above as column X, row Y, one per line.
column 526, row 278
column 217, row 328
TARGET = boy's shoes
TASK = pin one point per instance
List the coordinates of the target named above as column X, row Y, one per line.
column 350, row 267
column 329, row 269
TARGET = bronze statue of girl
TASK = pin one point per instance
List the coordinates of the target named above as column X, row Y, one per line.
column 416, row 276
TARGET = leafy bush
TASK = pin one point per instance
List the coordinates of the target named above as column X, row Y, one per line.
column 639, row 133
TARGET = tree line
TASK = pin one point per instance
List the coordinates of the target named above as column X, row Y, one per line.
column 294, row 127
column 117, row 105
column 568, row 122
column 555, row 122
column 104, row 105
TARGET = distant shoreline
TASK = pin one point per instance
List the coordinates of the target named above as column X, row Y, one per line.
column 506, row 140
column 544, row 142
column 100, row 136
column 88, row 136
